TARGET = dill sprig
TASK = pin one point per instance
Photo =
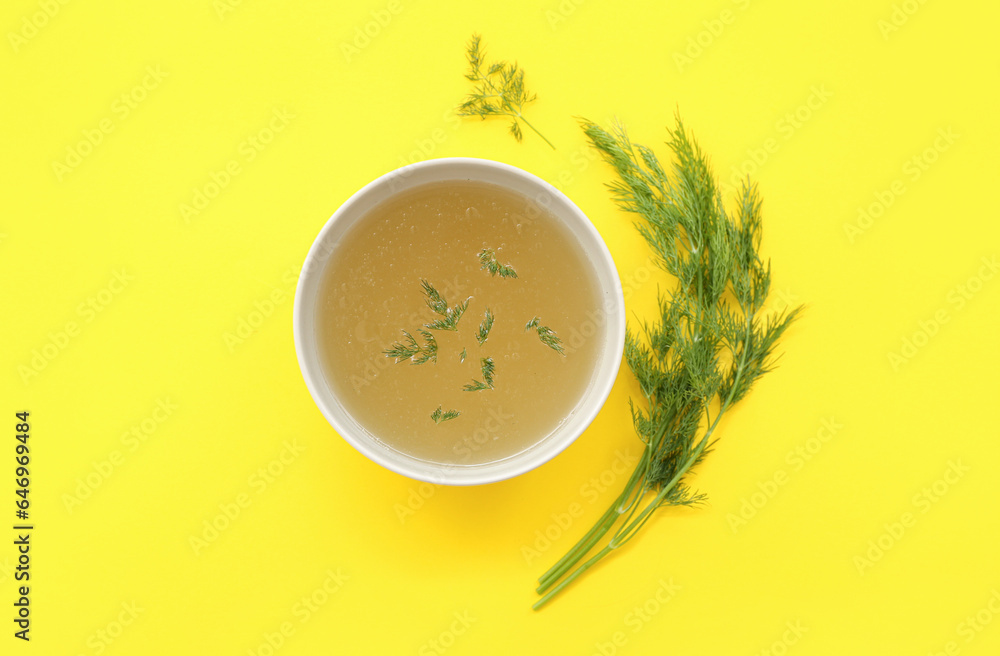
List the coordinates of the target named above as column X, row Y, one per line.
column 437, row 303
column 428, row 352
column 550, row 339
column 434, row 300
column 410, row 349
column 450, row 320
column 546, row 335
column 708, row 346
column 499, row 90
column 484, row 330
column 488, row 262
column 488, row 369
column 440, row 415
column 462, row 356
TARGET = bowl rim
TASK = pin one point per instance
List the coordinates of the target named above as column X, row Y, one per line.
column 595, row 250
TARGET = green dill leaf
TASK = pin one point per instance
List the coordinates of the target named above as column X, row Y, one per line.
column 498, row 90
column 546, row 335
column 462, row 356
column 450, row 316
column 428, row 352
column 489, row 371
column 488, row 262
column 550, row 339
column 460, row 309
column 440, row 415
column 403, row 350
column 515, row 130
column 489, row 368
column 484, row 329
column 410, row 349
column 435, row 301
column 475, row 386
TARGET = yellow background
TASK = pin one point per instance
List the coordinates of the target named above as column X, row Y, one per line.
column 879, row 97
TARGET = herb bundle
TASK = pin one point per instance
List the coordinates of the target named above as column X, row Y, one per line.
column 709, row 344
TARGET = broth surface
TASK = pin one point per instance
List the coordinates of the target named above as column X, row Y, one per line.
column 373, row 291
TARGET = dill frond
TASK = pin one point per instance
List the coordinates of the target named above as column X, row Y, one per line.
column 488, row 262
column 410, row 349
column 403, row 350
column 499, row 90
column 550, row 339
column 489, row 370
column 546, row 335
column 437, row 303
column 484, row 330
column 440, row 415
column 434, row 300
column 428, row 352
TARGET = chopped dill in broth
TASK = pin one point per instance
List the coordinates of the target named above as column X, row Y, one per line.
column 502, row 318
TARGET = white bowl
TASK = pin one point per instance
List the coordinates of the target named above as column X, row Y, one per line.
column 436, row 170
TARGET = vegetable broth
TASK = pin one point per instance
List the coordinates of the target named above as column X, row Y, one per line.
column 371, row 291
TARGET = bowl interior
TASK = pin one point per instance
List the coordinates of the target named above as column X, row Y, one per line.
column 542, row 194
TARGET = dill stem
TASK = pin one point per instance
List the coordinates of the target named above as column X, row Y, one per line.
column 603, row 525
column 630, row 529
column 510, row 110
column 498, row 94
column 536, row 130
column 627, row 530
column 569, row 579
column 605, row 522
column 593, row 536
